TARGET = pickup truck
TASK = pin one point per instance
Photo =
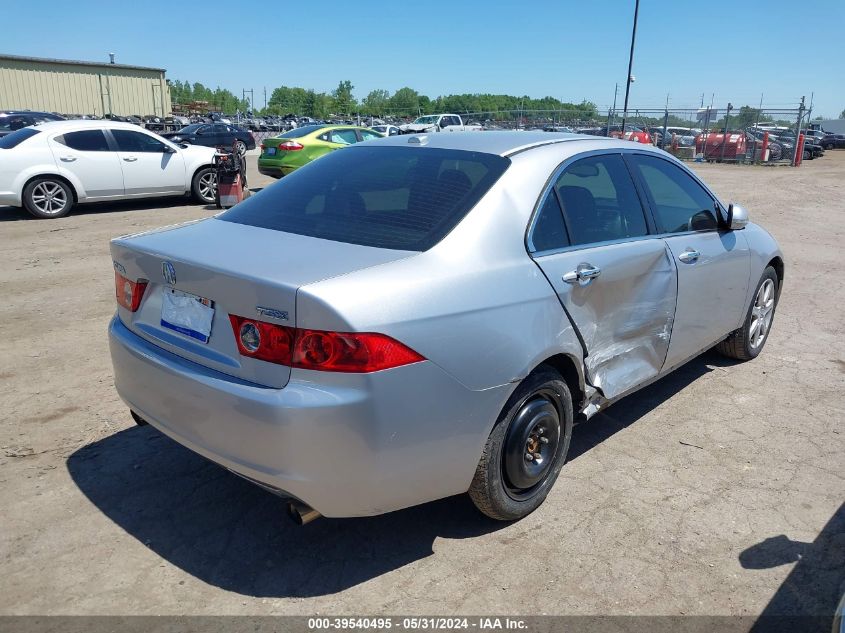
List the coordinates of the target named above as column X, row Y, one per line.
column 438, row 123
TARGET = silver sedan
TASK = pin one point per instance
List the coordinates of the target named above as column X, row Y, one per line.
column 421, row 316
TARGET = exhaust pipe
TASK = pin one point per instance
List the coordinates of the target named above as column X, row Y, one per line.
column 301, row 513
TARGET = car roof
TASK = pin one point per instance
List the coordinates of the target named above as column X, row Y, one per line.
column 57, row 126
column 501, row 143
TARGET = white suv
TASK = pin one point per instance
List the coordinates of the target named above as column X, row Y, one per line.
column 49, row 167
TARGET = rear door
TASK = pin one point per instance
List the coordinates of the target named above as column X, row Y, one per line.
column 615, row 279
column 88, row 156
column 713, row 265
column 149, row 168
column 343, row 137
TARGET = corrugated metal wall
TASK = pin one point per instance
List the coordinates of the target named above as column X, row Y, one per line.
column 79, row 89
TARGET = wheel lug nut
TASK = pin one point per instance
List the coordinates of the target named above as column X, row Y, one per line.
column 541, row 430
column 537, row 455
column 544, row 440
column 529, row 457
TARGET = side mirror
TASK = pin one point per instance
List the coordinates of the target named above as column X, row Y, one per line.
column 737, row 217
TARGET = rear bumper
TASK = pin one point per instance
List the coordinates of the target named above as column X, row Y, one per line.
column 350, row 445
column 10, row 198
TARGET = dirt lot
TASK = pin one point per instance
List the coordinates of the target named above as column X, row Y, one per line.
column 718, row 490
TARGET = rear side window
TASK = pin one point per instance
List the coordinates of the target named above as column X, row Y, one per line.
column 388, row 197
column 85, row 141
column 346, row 137
column 549, row 231
column 599, row 200
column 16, row 138
column 679, row 202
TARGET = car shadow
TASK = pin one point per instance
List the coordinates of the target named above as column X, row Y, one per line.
column 17, row 214
column 234, row 535
column 813, row 589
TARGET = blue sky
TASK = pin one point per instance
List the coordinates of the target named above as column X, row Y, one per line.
column 569, row 50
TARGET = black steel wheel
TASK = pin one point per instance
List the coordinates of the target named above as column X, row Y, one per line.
column 526, row 449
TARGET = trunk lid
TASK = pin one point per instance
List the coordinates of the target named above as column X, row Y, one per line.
column 241, row 269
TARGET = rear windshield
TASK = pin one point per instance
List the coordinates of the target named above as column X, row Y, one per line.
column 389, row 197
column 299, row 132
column 17, row 137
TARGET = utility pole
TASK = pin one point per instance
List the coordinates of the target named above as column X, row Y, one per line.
column 798, row 131
column 725, row 133
column 665, row 123
column 613, row 110
column 630, row 65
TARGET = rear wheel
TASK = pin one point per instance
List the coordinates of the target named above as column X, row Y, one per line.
column 47, row 198
column 204, row 185
column 240, row 147
column 526, row 449
column 747, row 342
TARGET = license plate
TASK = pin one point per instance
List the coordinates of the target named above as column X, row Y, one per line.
column 270, row 151
column 187, row 314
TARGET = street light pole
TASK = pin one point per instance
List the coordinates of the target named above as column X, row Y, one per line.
column 630, row 66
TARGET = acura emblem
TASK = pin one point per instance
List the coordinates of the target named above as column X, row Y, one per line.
column 168, row 272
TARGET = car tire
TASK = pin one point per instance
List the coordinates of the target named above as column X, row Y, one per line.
column 807, row 155
column 507, row 484
column 204, row 185
column 747, row 342
column 240, row 147
column 48, row 198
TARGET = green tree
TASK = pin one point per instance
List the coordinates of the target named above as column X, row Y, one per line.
column 344, row 102
column 405, row 101
column 842, row 114
column 376, row 102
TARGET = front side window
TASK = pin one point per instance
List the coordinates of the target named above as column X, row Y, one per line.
column 129, row 141
column 599, row 200
column 85, row 141
column 680, row 203
column 401, row 198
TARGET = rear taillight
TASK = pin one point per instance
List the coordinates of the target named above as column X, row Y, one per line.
column 263, row 147
column 320, row 350
column 261, row 340
column 129, row 293
column 349, row 352
column 290, row 146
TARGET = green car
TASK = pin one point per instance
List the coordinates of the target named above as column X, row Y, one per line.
column 290, row 150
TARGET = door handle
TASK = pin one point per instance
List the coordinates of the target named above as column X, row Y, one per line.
column 582, row 275
column 689, row 256
column 68, row 159
column 130, row 159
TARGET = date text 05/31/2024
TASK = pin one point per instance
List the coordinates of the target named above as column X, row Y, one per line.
column 417, row 623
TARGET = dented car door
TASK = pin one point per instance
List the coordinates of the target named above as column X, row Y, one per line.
column 616, row 280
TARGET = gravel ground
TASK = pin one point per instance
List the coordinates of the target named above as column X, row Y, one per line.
column 718, row 490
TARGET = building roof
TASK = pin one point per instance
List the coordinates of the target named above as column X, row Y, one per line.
column 47, row 60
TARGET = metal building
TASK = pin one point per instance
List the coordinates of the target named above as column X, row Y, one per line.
column 73, row 87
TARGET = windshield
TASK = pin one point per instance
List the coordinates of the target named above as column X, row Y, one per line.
column 426, row 120
column 299, row 132
column 400, row 198
column 17, row 137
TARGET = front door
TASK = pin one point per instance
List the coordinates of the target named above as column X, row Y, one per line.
column 149, row 169
column 713, row 265
column 616, row 282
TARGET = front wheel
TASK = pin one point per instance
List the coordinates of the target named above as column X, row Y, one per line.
column 240, row 147
column 747, row 342
column 526, row 449
column 204, row 185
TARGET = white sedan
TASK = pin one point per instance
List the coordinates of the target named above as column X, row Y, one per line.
column 47, row 168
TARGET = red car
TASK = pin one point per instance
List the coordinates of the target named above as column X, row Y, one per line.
column 635, row 134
